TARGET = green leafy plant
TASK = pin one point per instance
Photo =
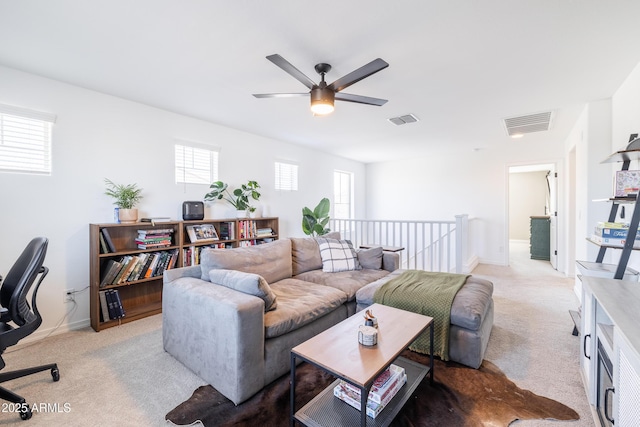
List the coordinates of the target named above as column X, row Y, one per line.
column 126, row 196
column 314, row 222
column 239, row 198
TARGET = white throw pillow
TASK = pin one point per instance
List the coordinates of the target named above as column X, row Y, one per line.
column 337, row 255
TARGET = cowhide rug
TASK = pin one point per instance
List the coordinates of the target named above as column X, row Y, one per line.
column 460, row 396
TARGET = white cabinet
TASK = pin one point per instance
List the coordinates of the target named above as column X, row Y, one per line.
column 587, row 337
column 626, row 383
column 610, row 322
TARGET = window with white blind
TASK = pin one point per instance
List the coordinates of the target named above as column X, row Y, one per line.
column 286, row 176
column 196, row 165
column 25, row 140
column 342, row 195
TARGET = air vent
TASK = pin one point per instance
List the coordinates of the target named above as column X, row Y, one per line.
column 528, row 124
column 409, row 118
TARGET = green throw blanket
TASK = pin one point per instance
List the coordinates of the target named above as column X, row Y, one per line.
column 427, row 293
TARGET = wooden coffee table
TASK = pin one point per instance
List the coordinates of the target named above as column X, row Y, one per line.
column 338, row 352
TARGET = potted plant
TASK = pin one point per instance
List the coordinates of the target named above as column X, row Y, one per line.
column 126, row 198
column 239, row 198
column 314, row 222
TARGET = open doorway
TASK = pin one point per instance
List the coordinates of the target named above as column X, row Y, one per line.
column 533, row 212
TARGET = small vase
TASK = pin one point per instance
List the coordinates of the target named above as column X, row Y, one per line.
column 128, row 216
column 241, row 214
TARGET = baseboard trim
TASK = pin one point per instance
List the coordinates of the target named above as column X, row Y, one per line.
column 44, row 333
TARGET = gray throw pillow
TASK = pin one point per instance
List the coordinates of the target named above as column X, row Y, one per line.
column 248, row 283
column 370, row 258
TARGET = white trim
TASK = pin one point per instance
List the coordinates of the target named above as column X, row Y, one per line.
column 25, row 112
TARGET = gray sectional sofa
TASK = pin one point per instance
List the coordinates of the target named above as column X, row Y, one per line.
column 237, row 333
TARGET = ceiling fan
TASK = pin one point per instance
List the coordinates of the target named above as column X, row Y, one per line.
column 322, row 94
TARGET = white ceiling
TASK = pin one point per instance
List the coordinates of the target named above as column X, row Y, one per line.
column 460, row 66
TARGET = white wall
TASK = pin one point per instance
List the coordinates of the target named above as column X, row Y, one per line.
column 98, row 136
column 440, row 186
column 625, row 106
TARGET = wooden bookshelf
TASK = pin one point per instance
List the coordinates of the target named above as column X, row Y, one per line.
column 142, row 296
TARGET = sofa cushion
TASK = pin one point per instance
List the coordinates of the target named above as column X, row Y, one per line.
column 370, row 258
column 270, row 260
column 337, row 255
column 248, row 283
column 347, row 281
column 471, row 303
column 469, row 307
column 305, row 254
column 299, row 303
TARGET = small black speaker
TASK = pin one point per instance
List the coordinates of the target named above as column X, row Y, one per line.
column 192, row 210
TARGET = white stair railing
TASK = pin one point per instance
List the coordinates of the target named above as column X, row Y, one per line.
column 428, row 245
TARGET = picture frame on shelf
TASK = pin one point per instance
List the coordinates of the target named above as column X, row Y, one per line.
column 202, row 233
column 627, row 183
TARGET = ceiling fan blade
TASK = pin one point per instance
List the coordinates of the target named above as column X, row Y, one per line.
column 360, row 99
column 279, row 95
column 359, row 74
column 290, row 69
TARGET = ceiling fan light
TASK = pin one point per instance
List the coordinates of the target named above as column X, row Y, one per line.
column 322, row 101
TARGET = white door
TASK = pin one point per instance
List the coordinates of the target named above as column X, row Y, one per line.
column 553, row 216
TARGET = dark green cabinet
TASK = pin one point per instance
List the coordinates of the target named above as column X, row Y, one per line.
column 540, row 237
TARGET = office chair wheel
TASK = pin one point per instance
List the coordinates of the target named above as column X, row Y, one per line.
column 25, row 412
column 55, row 373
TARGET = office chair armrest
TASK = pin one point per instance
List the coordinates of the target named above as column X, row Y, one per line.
column 4, row 315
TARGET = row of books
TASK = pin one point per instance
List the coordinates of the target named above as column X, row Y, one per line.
column 130, row 268
column 111, row 305
column 154, row 238
column 384, row 388
column 249, row 230
column 192, row 254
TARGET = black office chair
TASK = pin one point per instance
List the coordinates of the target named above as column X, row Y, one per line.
column 17, row 319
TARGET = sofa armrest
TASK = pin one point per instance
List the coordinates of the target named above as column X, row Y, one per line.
column 390, row 261
column 176, row 273
column 216, row 332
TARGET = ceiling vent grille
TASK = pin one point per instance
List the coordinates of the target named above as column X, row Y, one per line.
column 408, row 118
column 526, row 124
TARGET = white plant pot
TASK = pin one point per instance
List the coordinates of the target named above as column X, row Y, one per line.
column 257, row 213
column 241, row 214
column 128, row 216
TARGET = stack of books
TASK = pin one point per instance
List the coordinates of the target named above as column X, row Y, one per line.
column 384, row 388
column 613, row 234
column 264, row 232
column 154, row 238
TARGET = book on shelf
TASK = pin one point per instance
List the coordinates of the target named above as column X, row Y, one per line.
column 103, row 244
column 109, row 272
column 104, row 306
column 373, row 408
column 202, row 233
column 612, row 241
column 227, row 231
column 155, row 219
column 108, row 241
column 118, row 310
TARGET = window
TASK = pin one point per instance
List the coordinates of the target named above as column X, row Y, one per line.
column 286, row 176
column 25, row 140
column 196, row 165
column 342, row 195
